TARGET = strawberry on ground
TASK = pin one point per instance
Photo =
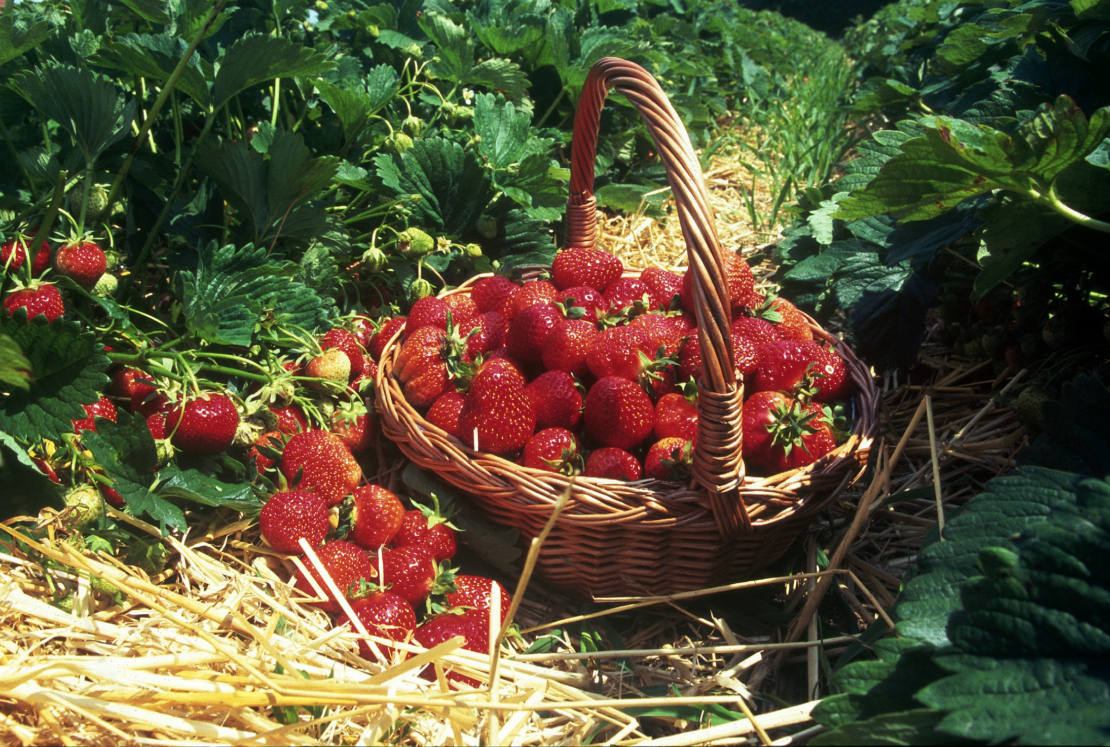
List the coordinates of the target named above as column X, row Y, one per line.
column 474, row 595
column 612, row 463
column 618, row 413
column 425, row 527
column 292, row 515
column 37, row 298
column 581, row 266
column 445, row 627
column 555, row 400
column 346, row 563
column 320, row 461
column 102, row 408
column 409, row 572
column 376, row 516
column 383, row 614
column 205, row 424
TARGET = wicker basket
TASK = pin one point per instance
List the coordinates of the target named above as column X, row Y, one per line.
column 649, row 537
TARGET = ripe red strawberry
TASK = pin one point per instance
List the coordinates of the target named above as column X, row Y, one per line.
column 324, row 463
column 502, row 363
column 429, row 311
column 755, row 329
column 205, row 424
column 148, row 401
column 364, row 381
column 580, row 266
column 565, row 348
column 486, row 333
column 676, row 416
column 787, row 319
column 385, row 333
column 331, row 365
column 529, row 330
column 346, row 563
column 156, row 424
column 291, row 419
column 82, row 261
column 782, row 434
column 37, row 298
column 439, row 629
column 444, row 412
column 363, row 328
column 410, row 572
column 425, row 528
column 532, row 293
column 382, row 614
column 265, row 450
column 495, row 294
column 631, row 293
column 830, row 376
column 355, row 426
column 618, row 413
column 375, row 517
column 102, row 408
column 341, row 339
column 474, row 595
column 612, row 463
column 689, row 357
column 781, row 365
column 497, row 413
column 669, row 459
column 664, row 286
column 619, row 351
column 426, row 364
column 13, row 255
column 124, row 381
column 739, row 278
column 583, row 297
column 555, row 400
column 552, row 450
column 291, row 515
column 664, row 331
column 463, row 310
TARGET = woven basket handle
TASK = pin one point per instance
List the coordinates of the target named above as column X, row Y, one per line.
column 718, row 465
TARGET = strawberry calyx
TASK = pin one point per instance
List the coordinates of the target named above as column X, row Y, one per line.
column 434, row 514
column 680, row 462
column 791, row 420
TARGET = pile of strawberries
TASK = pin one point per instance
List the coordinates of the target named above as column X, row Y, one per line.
column 586, row 370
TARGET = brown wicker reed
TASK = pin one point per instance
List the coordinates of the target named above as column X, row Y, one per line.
column 649, row 537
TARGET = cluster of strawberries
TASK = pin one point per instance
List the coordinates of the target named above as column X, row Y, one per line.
column 588, row 362
column 82, row 261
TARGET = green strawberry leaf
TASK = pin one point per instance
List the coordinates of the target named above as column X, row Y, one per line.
column 15, row 370
column 68, row 370
column 1076, row 433
column 913, row 727
column 453, row 186
column 126, row 452
column 521, row 240
column 255, row 59
column 156, row 57
column 19, row 34
column 535, row 184
column 193, row 485
column 455, row 57
column 506, row 132
column 500, row 75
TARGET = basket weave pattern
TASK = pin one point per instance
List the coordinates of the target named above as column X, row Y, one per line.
column 649, row 537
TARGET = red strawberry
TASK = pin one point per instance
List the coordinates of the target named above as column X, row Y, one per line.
column 324, row 463
column 623, row 293
column 37, row 298
column 156, row 424
column 495, row 294
column 664, row 286
column 82, row 261
column 781, row 365
column 755, row 329
column 363, row 328
column 364, row 380
column 331, row 365
column 486, row 333
column 619, row 351
column 382, row 614
column 676, row 416
column 502, row 362
column 830, row 376
column 532, row 293
column 787, row 319
column 664, row 331
column 689, row 357
column 612, row 463
column 529, row 330
column 439, row 629
column 497, row 413
column 739, row 278
column 444, row 412
column 375, row 517
column 102, row 408
column 428, row 360
column 474, row 595
column 669, row 459
column 618, row 413
column 291, row 515
column 555, row 400
column 565, row 348
column 583, row 297
column 265, row 450
column 205, row 424
column 148, row 401
column 425, row 528
column 341, row 339
column 782, row 434
column 355, row 426
column 552, row 450
column 346, row 563
column 580, row 266
column 463, row 310
column 291, row 419
column 13, row 255
column 429, row 311
column 124, row 381
column 410, row 572
column 388, row 329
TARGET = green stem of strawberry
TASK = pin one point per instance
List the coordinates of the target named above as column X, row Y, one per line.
column 88, row 180
column 226, row 356
column 47, row 224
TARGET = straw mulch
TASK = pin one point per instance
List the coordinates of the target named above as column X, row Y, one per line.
column 219, row 649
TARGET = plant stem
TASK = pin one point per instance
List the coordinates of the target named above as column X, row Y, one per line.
column 55, row 204
column 1054, row 202
column 85, row 202
column 275, row 99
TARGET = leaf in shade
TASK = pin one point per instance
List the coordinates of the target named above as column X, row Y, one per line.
column 193, row 485
column 1076, row 434
column 499, row 74
column 521, row 240
column 151, row 10
column 40, row 163
column 255, row 59
column 156, row 57
column 455, row 56
column 18, row 36
column 15, row 370
column 533, row 186
column 888, row 325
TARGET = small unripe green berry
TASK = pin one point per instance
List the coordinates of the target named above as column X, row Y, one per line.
column 412, row 242
column 412, row 126
column 473, row 251
column 85, row 505
column 352, row 15
column 106, row 286
column 397, row 143
column 420, row 288
column 487, row 227
column 321, row 6
column 374, row 259
column 414, row 51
